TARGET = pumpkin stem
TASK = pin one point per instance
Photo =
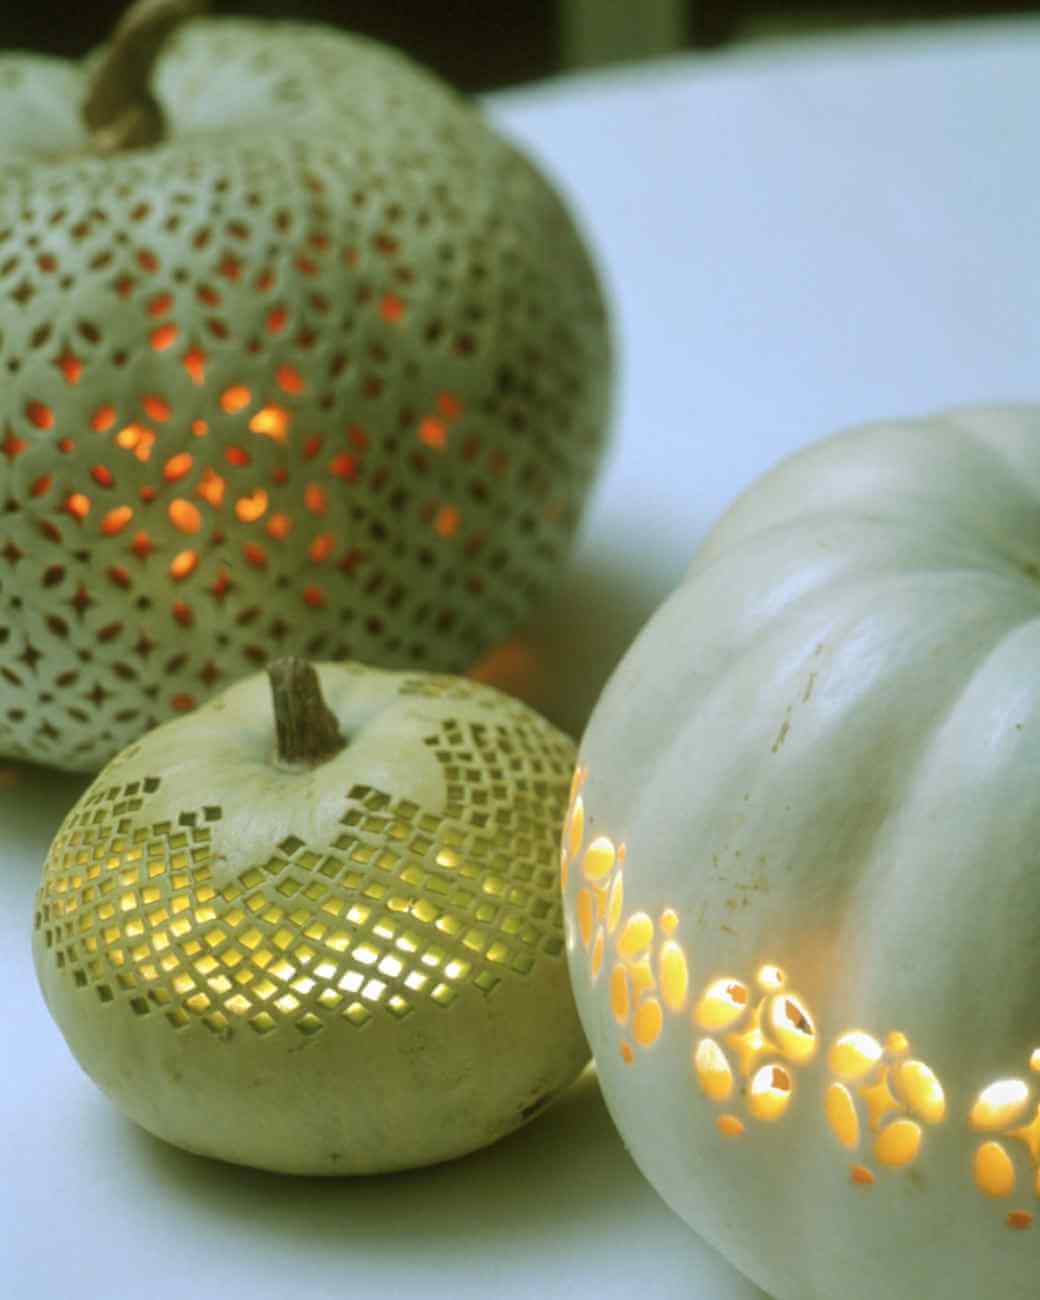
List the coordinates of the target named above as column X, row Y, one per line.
column 120, row 110
column 307, row 730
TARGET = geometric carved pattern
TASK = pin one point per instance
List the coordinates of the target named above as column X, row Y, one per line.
column 324, row 374
column 403, row 904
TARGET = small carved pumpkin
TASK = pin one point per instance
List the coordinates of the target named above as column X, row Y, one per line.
column 801, row 871
column 298, row 356
column 320, row 939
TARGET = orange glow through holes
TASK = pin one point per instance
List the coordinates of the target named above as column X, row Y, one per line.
column 235, row 398
column 158, row 408
column 433, row 432
column 446, row 521
column 279, row 527
column 184, row 516
column 322, row 547
column 314, row 597
column 78, row 505
column 40, row 415
column 40, row 485
column 289, row 379
column 314, row 498
column 136, row 438
column 276, row 319
column 102, row 476
column 211, row 487
column 250, row 508
column 177, row 466
column 183, row 564
column 344, row 466
column 449, row 405
column 163, row 337
column 103, row 419
column 237, row 456
column 271, row 422
column 392, row 309
column 195, row 364
column 70, row 366
column 255, row 555
column 116, row 520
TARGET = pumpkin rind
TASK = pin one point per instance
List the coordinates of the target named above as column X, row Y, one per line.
column 325, row 372
column 343, row 970
column 819, row 762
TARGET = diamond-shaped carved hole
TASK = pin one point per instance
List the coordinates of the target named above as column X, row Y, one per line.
column 235, row 398
column 137, row 438
column 289, row 379
column 39, row 414
column 156, row 407
column 70, row 366
column 446, row 521
column 211, row 487
column 183, row 564
column 252, row 507
column 116, row 520
column 195, row 364
column 271, row 422
column 163, row 337
column 184, row 516
column 177, row 466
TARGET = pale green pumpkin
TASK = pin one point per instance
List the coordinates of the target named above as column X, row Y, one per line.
column 299, row 357
column 340, row 959
column 800, row 871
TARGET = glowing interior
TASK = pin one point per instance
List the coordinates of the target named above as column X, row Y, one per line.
column 792, row 1025
column 770, row 1092
column 599, row 859
column 842, row 1116
column 1000, row 1104
column 899, row 1143
column 994, row 1170
column 922, row 1090
column 723, row 1003
column 713, row 1070
column 854, row 1054
column 674, row 975
column 749, row 1045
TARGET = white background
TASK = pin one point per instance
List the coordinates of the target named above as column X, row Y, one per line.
column 796, row 238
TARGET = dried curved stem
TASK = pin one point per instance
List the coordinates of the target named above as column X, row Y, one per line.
column 120, row 110
column 307, row 731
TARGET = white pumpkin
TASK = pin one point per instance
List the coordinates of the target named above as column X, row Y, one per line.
column 318, row 366
column 337, row 953
column 800, row 871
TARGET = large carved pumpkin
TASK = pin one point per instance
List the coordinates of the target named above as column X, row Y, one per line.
column 298, row 356
column 801, row 871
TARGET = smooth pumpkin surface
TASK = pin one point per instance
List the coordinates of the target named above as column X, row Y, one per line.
column 323, row 371
column 800, row 873
column 343, row 968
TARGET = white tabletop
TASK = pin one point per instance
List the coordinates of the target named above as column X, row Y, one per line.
column 796, row 238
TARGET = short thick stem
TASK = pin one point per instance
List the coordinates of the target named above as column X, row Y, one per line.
column 307, row 731
column 120, row 110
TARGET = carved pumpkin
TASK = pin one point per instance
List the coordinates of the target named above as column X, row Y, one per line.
column 320, row 939
column 800, row 871
column 299, row 357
